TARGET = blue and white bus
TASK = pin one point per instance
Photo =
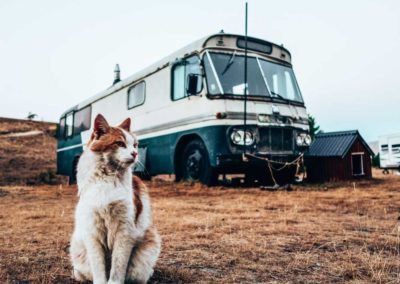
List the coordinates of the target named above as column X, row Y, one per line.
column 188, row 112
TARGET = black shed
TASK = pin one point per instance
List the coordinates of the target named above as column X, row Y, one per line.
column 341, row 155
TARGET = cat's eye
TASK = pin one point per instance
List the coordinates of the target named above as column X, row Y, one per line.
column 135, row 145
column 120, row 144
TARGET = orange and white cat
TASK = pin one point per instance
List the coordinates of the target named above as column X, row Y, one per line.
column 114, row 237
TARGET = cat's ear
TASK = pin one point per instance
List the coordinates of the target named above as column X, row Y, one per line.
column 126, row 125
column 101, row 126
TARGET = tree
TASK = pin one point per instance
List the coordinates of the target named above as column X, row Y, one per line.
column 31, row 116
column 376, row 161
column 314, row 128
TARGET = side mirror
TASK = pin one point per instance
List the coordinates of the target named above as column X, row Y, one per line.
column 193, row 87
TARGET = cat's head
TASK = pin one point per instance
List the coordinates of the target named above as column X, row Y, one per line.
column 117, row 146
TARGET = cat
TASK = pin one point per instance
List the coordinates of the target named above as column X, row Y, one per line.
column 113, row 236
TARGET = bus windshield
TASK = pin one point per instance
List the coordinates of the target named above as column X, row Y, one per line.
column 225, row 76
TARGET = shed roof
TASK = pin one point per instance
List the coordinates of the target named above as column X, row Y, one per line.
column 335, row 144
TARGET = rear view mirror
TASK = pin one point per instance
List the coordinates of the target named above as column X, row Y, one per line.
column 194, row 84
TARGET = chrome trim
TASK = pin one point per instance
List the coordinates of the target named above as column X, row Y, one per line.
column 70, row 147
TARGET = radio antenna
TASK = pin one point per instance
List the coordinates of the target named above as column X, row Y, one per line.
column 245, row 83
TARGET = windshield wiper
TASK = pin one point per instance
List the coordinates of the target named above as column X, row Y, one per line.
column 230, row 62
column 279, row 96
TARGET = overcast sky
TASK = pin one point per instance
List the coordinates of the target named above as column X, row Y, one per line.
column 346, row 54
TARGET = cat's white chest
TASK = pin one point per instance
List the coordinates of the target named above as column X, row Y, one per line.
column 100, row 195
column 97, row 197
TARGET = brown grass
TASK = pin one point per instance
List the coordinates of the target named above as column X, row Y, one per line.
column 25, row 159
column 341, row 232
column 346, row 233
column 11, row 125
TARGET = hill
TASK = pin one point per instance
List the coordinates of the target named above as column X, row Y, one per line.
column 27, row 151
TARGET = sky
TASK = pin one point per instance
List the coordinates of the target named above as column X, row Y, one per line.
column 346, row 53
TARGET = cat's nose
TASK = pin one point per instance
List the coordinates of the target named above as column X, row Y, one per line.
column 134, row 154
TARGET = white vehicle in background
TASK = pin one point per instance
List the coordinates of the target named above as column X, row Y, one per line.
column 389, row 152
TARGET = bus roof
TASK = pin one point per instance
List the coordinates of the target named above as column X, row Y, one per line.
column 220, row 41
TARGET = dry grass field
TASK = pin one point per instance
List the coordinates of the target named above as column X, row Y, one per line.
column 332, row 233
column 337, row 233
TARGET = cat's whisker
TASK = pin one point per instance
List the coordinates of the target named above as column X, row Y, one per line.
column 144, row 167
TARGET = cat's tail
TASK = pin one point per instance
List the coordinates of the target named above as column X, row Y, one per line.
column 138, row 184
column 144, row 256
column 139, row 194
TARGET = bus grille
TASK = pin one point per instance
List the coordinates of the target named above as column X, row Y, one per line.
column 275, row 139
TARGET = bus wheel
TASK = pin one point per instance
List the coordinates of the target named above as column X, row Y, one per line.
column 195, row 164
column 143, row 175
column 72, row 179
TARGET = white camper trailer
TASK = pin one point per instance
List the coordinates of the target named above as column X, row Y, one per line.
column 389, row 151
column 188, row 112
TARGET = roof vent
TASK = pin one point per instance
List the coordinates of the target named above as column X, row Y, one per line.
column 220, row 41
column 117, row 72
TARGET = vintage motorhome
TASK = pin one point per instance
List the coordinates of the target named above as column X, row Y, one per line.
column 389, row 152
column 188, row 112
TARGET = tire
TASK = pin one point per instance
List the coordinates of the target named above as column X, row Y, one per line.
column 72, row 179
column 143, row 175
column 195, row 164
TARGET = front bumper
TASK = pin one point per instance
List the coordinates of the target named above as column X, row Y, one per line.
column 242, row 163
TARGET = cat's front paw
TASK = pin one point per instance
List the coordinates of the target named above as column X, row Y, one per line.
column 78, row 276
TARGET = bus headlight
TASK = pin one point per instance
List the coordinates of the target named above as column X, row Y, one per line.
column 239, row 137
column 248, row 138
column 299, row 140
column 307, row 140
column 303, row 139
column 236, row 137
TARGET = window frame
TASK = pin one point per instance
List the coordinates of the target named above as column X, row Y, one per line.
column 132, row 87
column 395, row 148
column 61, row 127
column 179, row 62
column 64, row 135
column 384, row 148
column 90, row 119
column 72, row 113
column 250, row 41
column 249, row 97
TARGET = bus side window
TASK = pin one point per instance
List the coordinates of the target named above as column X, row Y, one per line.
column 136, row 95
column 82, row 120
column 69, row 119
column 180, row 72
column 61, row 128
column 178, row 78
